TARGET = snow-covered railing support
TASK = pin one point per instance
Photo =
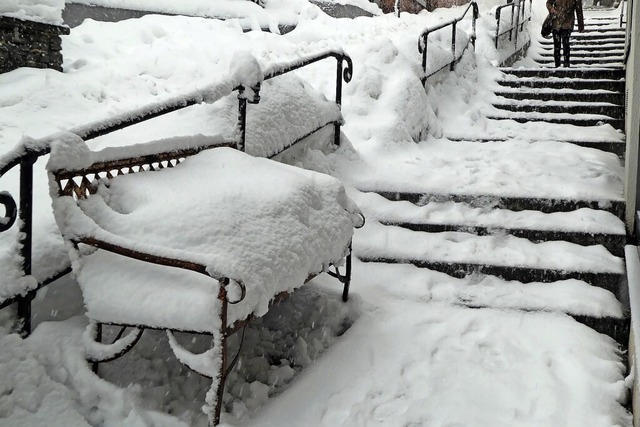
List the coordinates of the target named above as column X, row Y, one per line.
column 24, row 159
column 424, row 38
column 623, row 7
column 342, row 73
column 518, row 18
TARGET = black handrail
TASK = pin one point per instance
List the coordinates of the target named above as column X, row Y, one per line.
column 28, row 151
column 520, row 19
column 423, row 39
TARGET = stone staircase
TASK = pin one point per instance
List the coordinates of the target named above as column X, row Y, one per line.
column 569, row 238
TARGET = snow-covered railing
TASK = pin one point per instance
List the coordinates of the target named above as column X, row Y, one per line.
column 623, row 8
column 518, row 18
column 424, row 38
column 28, row 151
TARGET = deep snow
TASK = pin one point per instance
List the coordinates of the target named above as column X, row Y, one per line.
column 403, row 351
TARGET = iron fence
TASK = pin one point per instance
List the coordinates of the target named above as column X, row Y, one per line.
column 424, row 39
column 518, row 18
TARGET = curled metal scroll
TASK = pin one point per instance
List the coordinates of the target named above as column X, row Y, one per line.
column 347, row 73
column 11, row 211
column 362, row 220
column 243, row 292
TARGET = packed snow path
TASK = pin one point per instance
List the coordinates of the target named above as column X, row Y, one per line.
column 564, row 220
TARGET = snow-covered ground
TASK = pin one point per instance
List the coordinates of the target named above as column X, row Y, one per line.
column 403, row 351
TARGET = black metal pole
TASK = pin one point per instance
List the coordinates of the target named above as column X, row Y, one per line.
column 497, row 26
column 336, row 126
column 453, row 45
column 26, row 239
column 242, row 118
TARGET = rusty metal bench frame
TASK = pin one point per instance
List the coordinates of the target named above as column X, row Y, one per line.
column 80, row 184
column 27, row 152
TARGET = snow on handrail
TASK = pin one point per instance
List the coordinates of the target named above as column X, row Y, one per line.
column 423, row 39
column 520, row 19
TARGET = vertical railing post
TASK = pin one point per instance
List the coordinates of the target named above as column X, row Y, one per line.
column 26, row 240
column 336, row 126
column 453, row 45
column 242, row 118
column 424, row 53
column 474, row 18
column 517, row 4
column 511, row 24
column 497, row 26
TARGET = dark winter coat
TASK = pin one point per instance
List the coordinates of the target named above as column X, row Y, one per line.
column 566, row 11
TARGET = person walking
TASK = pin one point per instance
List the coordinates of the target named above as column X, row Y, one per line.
column 565, row 13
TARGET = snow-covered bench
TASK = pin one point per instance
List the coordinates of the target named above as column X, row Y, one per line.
column 188, row 234
column 288, row 111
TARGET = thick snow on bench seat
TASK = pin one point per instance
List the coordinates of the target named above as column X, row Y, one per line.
column 267, row 224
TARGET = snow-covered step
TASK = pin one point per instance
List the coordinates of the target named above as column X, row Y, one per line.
column 609, row 61
column 567, row 73
column 507, row 257
column 599, row 54
column 615, row 327
column 566, row 95
column 545, row 205
column 565, row 118
column 597, row 44
column 562, row 83
column 593, row 33
column 614, row 146
column 568, row 107
column 585, row 227
column 595, row 307
column 588, row 48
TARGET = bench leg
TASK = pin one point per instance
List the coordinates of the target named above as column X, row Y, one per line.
column 98, row 339
column 218, row 383
column 347, row 278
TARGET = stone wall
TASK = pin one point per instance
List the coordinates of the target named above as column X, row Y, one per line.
column 29, row 44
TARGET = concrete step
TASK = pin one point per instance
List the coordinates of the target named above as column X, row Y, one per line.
column 583, row 62
column 561, row 83
column 612, row 42
column 599, row 108
column 599, row 33
column 617, row 328
column 613, row 242
column 568, row 119
column 585, row 227
column 616, row 147
column 516, row 204
column 618, row 53
column 604, row 280
column 506, row 257
column 579, row 73
column 587, row 48
column 563, row 95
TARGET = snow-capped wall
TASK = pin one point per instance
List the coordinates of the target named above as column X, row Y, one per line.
column 25, row 43
column 45, row 11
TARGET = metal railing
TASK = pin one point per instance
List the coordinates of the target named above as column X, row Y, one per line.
column 25, row 155
column 518, row 19
column 424, row 39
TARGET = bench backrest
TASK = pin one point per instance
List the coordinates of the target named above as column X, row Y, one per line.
column 81, row 183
